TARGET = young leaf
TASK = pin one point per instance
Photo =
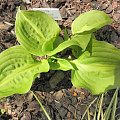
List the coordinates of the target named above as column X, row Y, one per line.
column 18, row 70
column 77, row 40
column 90, row 21
column 99, row 70
column 82, row 41
column 36, row 31
column 60, row 64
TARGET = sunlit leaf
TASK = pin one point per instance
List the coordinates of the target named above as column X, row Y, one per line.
column 60, row 64
column 36, row 31
column 90, row 21
column 99, row 70
column 18, row 69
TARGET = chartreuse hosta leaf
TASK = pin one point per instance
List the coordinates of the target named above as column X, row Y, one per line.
column 77, row 40
column 99, row 70
column 90, row 22
column 18, row 70
column 36, row 31
column 60, row 64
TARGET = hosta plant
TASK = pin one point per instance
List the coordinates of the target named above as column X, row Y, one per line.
column 94, row 65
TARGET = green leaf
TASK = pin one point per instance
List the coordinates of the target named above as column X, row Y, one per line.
column 36, row 31
column 17, row 71
column 83, row 41
column 60, row 64
column 99, row 70
column 77, row 40
column 90, row 21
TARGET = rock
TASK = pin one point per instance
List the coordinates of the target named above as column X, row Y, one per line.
column 58, row 95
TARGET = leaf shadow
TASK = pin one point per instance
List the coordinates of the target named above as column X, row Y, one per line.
column 43, row 83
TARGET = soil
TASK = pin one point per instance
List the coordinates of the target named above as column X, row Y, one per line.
column 62, row 101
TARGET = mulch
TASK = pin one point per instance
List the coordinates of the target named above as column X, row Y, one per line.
column 63, row 101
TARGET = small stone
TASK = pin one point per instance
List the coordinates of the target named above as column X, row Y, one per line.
column 58, row 95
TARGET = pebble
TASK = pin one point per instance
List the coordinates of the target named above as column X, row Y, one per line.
column 58, row 95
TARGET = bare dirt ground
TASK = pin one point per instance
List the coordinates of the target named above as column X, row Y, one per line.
column 62, row 102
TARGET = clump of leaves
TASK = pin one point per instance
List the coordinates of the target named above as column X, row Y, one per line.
column 95, row 65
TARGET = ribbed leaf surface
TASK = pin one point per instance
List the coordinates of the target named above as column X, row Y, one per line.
column 99, row 70
column 90, row 21
column 36, row 31
column 17, row 70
